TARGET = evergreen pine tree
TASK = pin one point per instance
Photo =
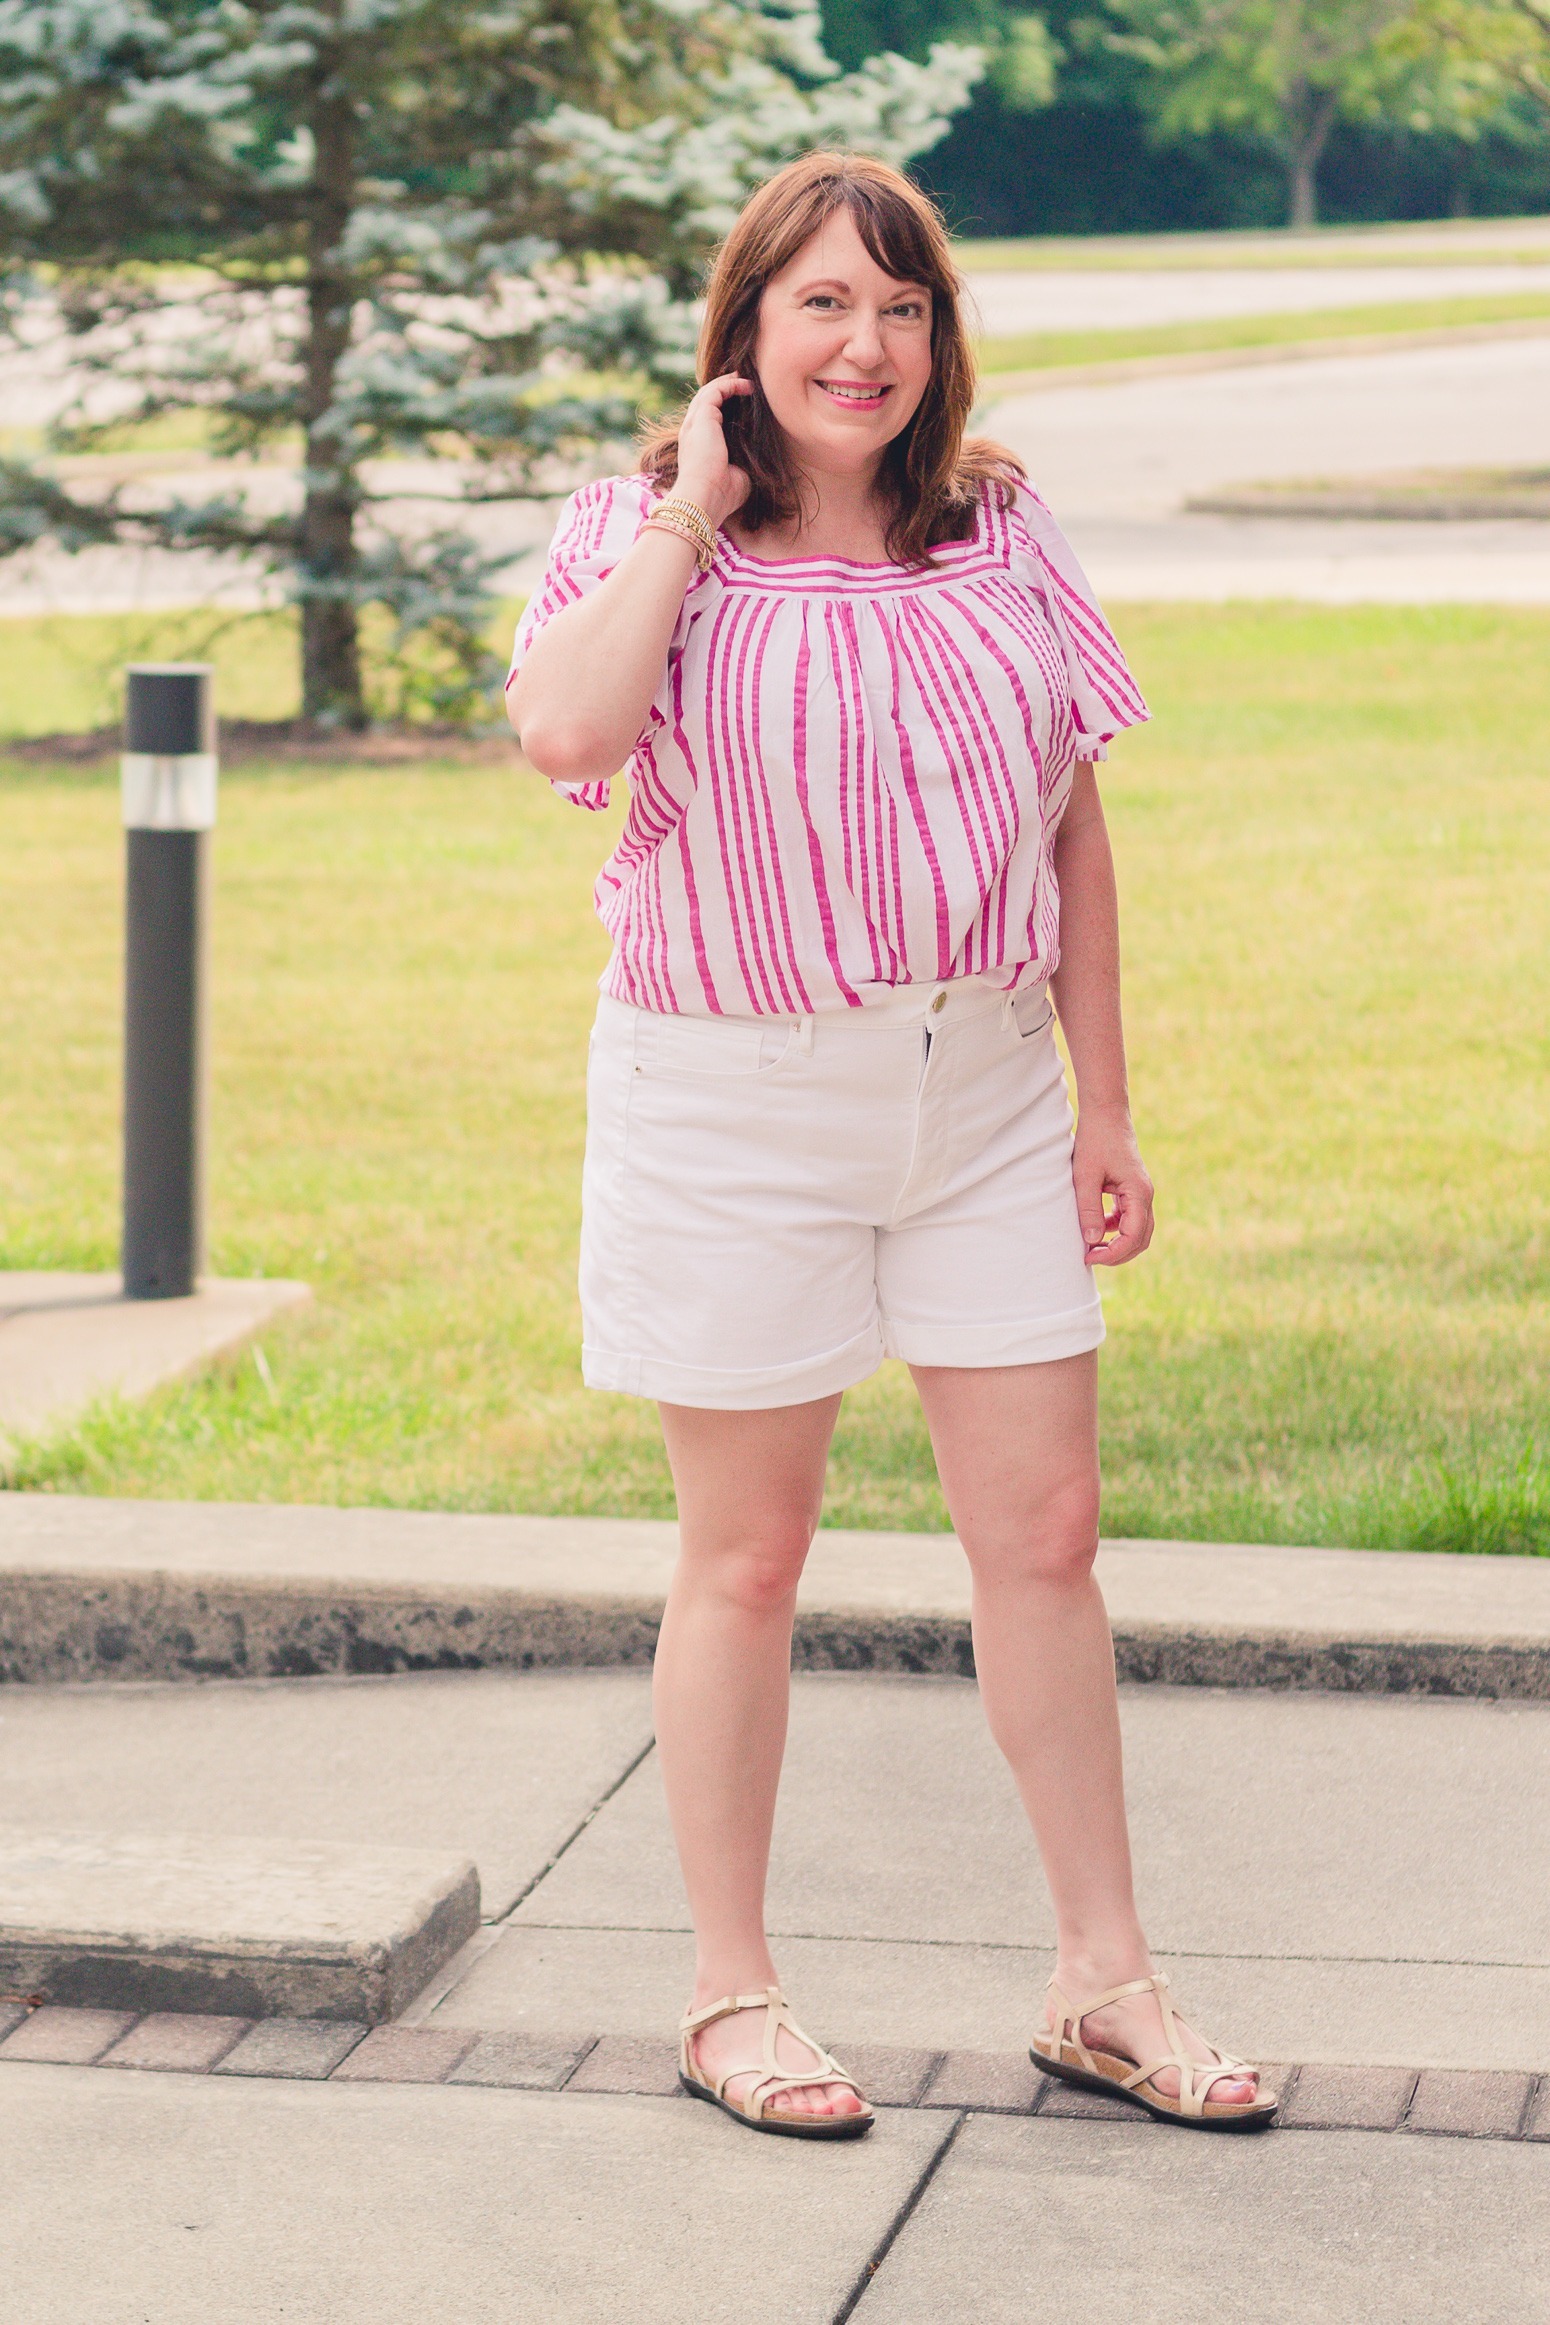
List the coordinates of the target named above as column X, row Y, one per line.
column 458, row 230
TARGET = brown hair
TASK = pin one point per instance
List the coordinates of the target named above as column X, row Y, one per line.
column 931, row 473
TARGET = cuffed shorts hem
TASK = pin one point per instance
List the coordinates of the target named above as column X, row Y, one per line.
column 975, row 1347
column 734, row 1392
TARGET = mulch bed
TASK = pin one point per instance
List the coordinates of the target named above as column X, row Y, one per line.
column 250, row 742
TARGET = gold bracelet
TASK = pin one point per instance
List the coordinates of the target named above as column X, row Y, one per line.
column 688, row 513
column 678, row 505
column 669, row 521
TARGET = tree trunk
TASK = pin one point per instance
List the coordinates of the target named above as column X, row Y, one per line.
column 331, row 692
column 1311, row 117
column 1303, row 206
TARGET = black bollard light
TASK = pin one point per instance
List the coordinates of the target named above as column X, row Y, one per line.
column 169, row 778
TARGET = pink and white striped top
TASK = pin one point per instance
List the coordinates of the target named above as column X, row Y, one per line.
column 852, row 774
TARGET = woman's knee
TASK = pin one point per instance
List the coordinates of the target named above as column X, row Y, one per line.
column 1055, row 1543
column 756, row 1571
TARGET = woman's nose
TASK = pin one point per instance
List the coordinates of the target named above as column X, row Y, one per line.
column 865, row 343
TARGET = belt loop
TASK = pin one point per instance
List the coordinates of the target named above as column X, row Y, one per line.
column 805, row 1036
column 1008, row 1011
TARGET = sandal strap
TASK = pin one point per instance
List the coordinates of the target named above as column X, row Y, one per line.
column 1196, row 2076
column 693, row 2020
column 754, row 2102
column 1064, row 2013
column 1156, row 1984
column 772, row 2077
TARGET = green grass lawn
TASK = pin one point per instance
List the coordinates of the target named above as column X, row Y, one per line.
column 1051, row 350
column 1334, row 851
column 64, row 673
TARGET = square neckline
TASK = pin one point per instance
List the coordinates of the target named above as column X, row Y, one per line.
column 732, row 553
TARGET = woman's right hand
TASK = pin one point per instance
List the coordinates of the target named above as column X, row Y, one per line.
column 706, row 474
column 585, row 691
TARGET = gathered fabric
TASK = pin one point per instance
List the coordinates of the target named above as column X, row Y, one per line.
column 852, row 774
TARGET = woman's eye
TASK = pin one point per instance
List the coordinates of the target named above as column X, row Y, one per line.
column 822, row 299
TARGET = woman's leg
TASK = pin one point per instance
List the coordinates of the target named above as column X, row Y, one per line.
column 750, row 1488
column 1017, row 1452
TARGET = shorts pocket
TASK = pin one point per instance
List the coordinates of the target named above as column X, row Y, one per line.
column 701, row 1049
column 1032, row 1012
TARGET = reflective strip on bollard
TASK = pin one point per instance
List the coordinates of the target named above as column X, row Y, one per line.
column 162, row 793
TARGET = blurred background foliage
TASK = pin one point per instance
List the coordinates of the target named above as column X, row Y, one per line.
column 1078, row 151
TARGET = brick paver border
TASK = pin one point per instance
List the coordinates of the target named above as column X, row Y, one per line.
column 1419, row 2102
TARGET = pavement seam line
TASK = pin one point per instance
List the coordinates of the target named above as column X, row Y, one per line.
column 421, row 2007
column 570, row 1840
column 900, row 2220
column 580, row 2060
column 831, row 1937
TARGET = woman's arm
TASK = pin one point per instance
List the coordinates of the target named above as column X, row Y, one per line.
column 589, row 678
column 1107, row 1162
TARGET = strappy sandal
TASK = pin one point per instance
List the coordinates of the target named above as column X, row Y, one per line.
column 753, row 2109
column 1061, row 2051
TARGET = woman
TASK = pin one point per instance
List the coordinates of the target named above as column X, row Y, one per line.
column 860, row 683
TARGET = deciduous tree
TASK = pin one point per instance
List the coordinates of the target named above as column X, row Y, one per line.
column 1286, row 71
column 1508, row 39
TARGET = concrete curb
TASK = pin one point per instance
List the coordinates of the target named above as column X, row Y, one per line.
column 231, row 1928
column 83, row 1626
column 93, row 1589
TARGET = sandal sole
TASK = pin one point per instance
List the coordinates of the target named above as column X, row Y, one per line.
column 817, row 2127
column 1251, row 2119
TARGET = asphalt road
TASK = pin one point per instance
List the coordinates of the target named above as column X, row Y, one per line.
column 1117, row 461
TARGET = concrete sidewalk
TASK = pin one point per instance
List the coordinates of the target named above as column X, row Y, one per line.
column 65, row 1339
column 176, row 2200
column 1355, row 1883
column 94, row 1588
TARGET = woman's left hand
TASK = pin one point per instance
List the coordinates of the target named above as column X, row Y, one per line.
column 1113, row 1192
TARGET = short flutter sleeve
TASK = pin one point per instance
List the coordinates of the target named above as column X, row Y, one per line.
column 1105, row 699
column 597, row 525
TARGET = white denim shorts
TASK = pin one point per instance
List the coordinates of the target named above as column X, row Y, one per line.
column 772, row 1205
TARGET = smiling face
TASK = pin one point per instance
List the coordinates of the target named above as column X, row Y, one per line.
column 844, row 351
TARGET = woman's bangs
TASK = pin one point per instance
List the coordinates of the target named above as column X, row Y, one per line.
column 897, row 239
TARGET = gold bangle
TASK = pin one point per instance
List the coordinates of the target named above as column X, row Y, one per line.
column 689, row 513
column 682, row 506
column 663, row 521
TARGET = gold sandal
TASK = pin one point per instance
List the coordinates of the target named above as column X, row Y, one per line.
column 1060, row 2051
column 772, row 2079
